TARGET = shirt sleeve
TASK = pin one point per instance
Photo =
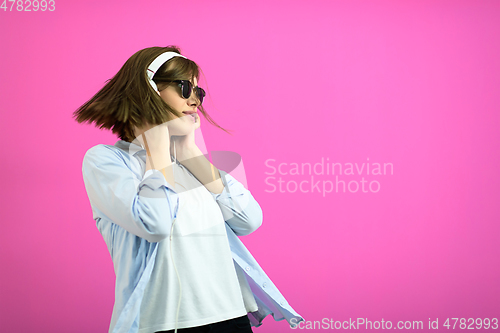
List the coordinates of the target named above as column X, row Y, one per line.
column 144, row 207
column 240, row 210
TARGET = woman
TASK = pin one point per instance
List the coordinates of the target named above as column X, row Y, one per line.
column 169, row 217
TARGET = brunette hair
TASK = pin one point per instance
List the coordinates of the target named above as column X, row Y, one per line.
column 128, row 99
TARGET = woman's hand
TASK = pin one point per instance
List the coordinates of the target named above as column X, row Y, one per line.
column 191, row 157
column 156, row 140
column 185, row 144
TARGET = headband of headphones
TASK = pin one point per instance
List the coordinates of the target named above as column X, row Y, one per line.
column 156, row 64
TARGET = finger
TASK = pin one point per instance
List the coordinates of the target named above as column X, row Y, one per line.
column 198, row 123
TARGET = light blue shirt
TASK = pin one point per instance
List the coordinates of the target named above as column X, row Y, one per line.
column 131, row 208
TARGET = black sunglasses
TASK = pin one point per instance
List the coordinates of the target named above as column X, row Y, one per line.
column 186, row 88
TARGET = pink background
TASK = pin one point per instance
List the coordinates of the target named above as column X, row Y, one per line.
column 412, row 83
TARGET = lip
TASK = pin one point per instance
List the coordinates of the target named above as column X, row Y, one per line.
column 193, row 114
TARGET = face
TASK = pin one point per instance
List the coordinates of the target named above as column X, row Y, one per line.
column 172, row 96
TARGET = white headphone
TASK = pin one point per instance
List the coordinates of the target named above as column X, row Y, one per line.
column 156, row 64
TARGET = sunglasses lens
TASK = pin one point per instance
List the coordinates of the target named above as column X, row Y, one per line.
column 186, row 88
column 201, row 94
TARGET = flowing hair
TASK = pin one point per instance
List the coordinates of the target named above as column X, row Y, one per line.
column 128, row 99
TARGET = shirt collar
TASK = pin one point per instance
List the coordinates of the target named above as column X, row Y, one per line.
column 130, row 147
column 134, row 149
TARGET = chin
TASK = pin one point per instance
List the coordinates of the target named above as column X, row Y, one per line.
column 180, row 127
column 181, row 130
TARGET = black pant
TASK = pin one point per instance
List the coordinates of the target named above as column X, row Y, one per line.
column 235, row 325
